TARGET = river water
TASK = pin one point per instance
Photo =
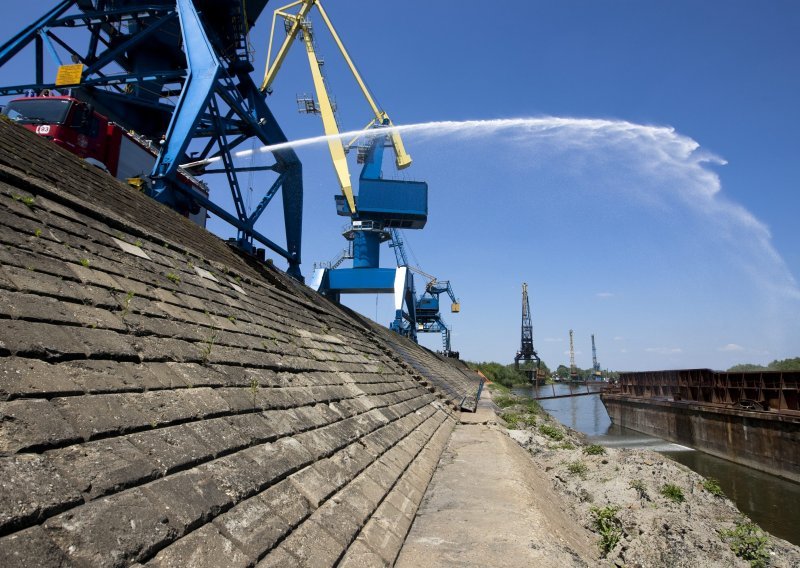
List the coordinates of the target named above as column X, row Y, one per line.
column 770, row 501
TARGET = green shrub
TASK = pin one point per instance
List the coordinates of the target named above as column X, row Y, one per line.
column 748, row 542
column 605, row 522
column 594, row 450
column 504, row 400
column 551, row 431
column 640, row 487
column 565, row 446
column 533, row 407
column 712, row 486
column 672, row 492
column 577, row 468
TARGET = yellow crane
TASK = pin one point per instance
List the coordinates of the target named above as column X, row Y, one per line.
column 299, row 24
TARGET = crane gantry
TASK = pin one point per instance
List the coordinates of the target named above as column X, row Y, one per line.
column 526, row 351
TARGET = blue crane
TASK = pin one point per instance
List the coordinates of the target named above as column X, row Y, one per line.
column 424, row 316
column 178, row 72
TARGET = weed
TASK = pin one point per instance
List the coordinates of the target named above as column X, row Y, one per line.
column 712, row 486
column 577, row 468
column 27, row 201
column 605, row 522
column 551, row 432
column 85, row 262
column 126, row 303
column 232, row 319
column 533, row 407
column 512, row 419
column 565, row 446
column 37, row 233
column 254, row 390
column 748, row 542
column 672, row 492
column 640, row 487
column 208, row 346
column 138, row 243
column 594, row 450
column 174, row 278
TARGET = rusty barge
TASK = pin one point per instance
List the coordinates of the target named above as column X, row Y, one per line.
column 749, row 418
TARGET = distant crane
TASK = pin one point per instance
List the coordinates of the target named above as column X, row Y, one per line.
column 526, row 351
column 573, row 370
column 595, row 365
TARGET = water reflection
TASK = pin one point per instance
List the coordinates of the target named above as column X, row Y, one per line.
column 766, row 499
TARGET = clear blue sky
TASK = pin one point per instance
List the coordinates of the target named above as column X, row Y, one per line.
column 654, row 203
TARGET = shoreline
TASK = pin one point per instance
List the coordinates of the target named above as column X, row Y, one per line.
column 643, row 508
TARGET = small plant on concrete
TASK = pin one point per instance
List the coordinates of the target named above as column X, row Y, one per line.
column 565, row 446
column 85, row 262
column 208, row 346
column 640, row 488
column 577, row 468
column 551, row 432
column 232, row 319
column 712, row 486
column 605, row 522
column 748, row 542
column 37, row 233
column 254, row 390
column 126, row 303
column 512, row 419
column 672, row 492
column 174, row 278
column 594, row 450
column 27, row 201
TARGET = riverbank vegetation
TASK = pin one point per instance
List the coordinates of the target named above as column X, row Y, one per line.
column 792, row 364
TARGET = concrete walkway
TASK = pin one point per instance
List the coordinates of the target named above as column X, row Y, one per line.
column 488, row 505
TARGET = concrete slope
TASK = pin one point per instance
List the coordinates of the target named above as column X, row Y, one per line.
column 164, row 401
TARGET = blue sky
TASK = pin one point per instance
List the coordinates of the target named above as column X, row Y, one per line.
column 652, row 199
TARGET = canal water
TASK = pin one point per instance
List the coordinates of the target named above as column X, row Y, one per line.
column 770, row 501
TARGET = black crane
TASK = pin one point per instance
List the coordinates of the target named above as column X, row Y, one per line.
column 526, row 351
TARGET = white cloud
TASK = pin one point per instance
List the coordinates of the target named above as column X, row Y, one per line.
column 731, row 347
column 604, row 295
column 664, row 350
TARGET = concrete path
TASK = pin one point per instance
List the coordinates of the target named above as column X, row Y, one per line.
column 488, row 505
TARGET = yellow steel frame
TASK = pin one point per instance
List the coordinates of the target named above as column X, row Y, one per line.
column 299, row 24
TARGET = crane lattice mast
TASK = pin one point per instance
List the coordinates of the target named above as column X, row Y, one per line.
column 595, row 364
column 526, row 351
column 573, row 370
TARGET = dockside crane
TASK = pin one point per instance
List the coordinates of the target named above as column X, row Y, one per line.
column 381, row 204
column 526, row 351
column 573, row 370
column 425, row 315
column 595, row 365
column 178, row 74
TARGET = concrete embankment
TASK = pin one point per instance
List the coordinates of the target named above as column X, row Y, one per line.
column 549, row 499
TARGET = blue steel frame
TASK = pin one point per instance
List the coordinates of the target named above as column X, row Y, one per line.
column 218, row 101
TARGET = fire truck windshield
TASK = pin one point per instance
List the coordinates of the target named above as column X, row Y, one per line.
column 38, row 110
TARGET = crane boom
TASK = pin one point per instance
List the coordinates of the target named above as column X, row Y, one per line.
column 300, row 24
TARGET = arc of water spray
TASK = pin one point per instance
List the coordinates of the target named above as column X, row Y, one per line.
column 661, row 150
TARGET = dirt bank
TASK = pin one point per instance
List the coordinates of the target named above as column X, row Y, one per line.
column 646, row 510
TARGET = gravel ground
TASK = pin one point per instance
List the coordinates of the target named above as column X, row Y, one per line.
column 653, row 530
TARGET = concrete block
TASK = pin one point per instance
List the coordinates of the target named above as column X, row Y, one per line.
column 205, row 547
column 188, row 499
column 359, row 555
column 31, row 377
column 319, row 481
column 31, row 548
column 279, row 459
column 278, row 558
column 33, row 424
column 384, row 542
column 103, row 467
column 171, row 448
column 40, row 340
column 340, row 519
column 112, row 531
column 252, row 526
column 31, row 489
column 313, row 547
column 92, row 416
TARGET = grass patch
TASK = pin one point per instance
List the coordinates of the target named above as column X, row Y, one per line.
column 594, row 450
column 565, row 446
column 712, row 486
column 504, row 400
column 533, row 407
column 577, row 468
column 748, row 542
column 85, row 262
column 672, row 492
column 512, row 419
column 551, row 432
column 174, row 278
column 605, row 522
